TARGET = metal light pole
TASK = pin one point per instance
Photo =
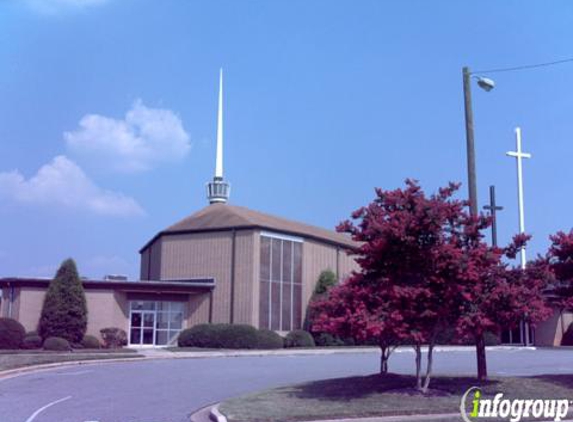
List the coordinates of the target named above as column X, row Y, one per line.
column 487, row 85
column 470, row 146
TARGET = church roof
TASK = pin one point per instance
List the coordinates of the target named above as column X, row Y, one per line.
column 217, row 217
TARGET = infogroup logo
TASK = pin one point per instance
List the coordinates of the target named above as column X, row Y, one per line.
column 514, row 410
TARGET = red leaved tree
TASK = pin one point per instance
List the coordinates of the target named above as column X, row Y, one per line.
column 498, row 296
column 413, row 267
column 560, row 260
column 424, row 267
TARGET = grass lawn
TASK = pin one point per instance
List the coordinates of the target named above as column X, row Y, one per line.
column 382, row 395
column 11, row 359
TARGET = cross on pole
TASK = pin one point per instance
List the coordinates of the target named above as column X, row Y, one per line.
column 519, row 156
column 493, row 208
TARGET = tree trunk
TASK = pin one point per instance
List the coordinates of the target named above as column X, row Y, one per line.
column 429, row 368
column 418, row 350
column 481, row 358
column 384, row 355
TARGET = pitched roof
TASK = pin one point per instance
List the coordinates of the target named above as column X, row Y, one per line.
column 217, row 217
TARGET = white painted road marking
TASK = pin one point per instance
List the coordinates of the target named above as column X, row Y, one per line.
column 41, row 409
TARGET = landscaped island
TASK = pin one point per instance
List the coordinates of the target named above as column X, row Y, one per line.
column 384, row 395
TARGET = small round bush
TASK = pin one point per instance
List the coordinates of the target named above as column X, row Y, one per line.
column 567, row 339
column 113, row 337
column 327, row 340
column 32, row 341
column 90, row 342
column 299, row 338
column 268, row 339
column 57, row 344
column 11, row 333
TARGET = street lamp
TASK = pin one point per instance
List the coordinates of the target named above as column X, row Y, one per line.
column 487, row 85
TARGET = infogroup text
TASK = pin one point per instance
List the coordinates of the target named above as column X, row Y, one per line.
column 514, row 410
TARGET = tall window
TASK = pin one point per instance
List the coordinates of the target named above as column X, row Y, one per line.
column 280, row 305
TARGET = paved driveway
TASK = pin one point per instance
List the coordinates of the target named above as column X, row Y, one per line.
column 168, row 390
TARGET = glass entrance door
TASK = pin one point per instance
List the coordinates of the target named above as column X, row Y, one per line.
column 155, row 323
column 142, row 330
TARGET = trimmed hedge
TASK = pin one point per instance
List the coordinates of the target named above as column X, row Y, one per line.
column 219, row 336
column 229, row 336
column 113, row 337
column 299, row 338
column 32, row 341
column 11, row 333
column 90, row 342
column 57, row 344
column 268, row 339
column 567, row 339
column 327, row 340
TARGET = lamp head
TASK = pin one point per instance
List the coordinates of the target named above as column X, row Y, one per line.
column 485, row 83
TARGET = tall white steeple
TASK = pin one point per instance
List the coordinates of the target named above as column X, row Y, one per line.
column 218, row 190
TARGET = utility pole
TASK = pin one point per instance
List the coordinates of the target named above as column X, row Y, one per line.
column 493, row 208
column 470, row 147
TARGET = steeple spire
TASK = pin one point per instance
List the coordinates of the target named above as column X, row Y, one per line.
column 219, row 163
column 218, row 190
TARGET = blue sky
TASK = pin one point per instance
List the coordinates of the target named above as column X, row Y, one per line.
column 108, row 114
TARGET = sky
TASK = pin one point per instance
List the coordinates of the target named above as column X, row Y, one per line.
column 108, row 115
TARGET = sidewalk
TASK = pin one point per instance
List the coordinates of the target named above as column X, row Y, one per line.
column 159, row 353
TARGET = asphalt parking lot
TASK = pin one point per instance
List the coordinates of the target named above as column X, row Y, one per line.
column 169, row 390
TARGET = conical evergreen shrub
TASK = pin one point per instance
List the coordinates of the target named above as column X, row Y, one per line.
column 64, row 313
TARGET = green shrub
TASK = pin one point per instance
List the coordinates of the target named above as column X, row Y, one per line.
column 90, row 342
column 299, row 338
column 267, row 339
column 113, row 337
column 11, row 333
column 567, row 339
column 32, row 341
column 64, row 313
column 57, row 344
column 327, row 340
column 491, row 339
column 326, row 280
column 220, row 336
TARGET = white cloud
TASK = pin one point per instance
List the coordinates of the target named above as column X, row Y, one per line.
column 145, row 138
column 56, row 6
column 63, row 183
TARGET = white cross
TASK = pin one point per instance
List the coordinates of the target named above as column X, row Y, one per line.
column 520, row 155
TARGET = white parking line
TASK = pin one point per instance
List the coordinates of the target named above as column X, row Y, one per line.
column 41, row 409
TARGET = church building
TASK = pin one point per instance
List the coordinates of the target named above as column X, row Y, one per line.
column 222, row 264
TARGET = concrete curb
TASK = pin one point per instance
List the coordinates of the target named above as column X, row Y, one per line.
column 217, row 416
column 12, row 373
column 160, row 354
